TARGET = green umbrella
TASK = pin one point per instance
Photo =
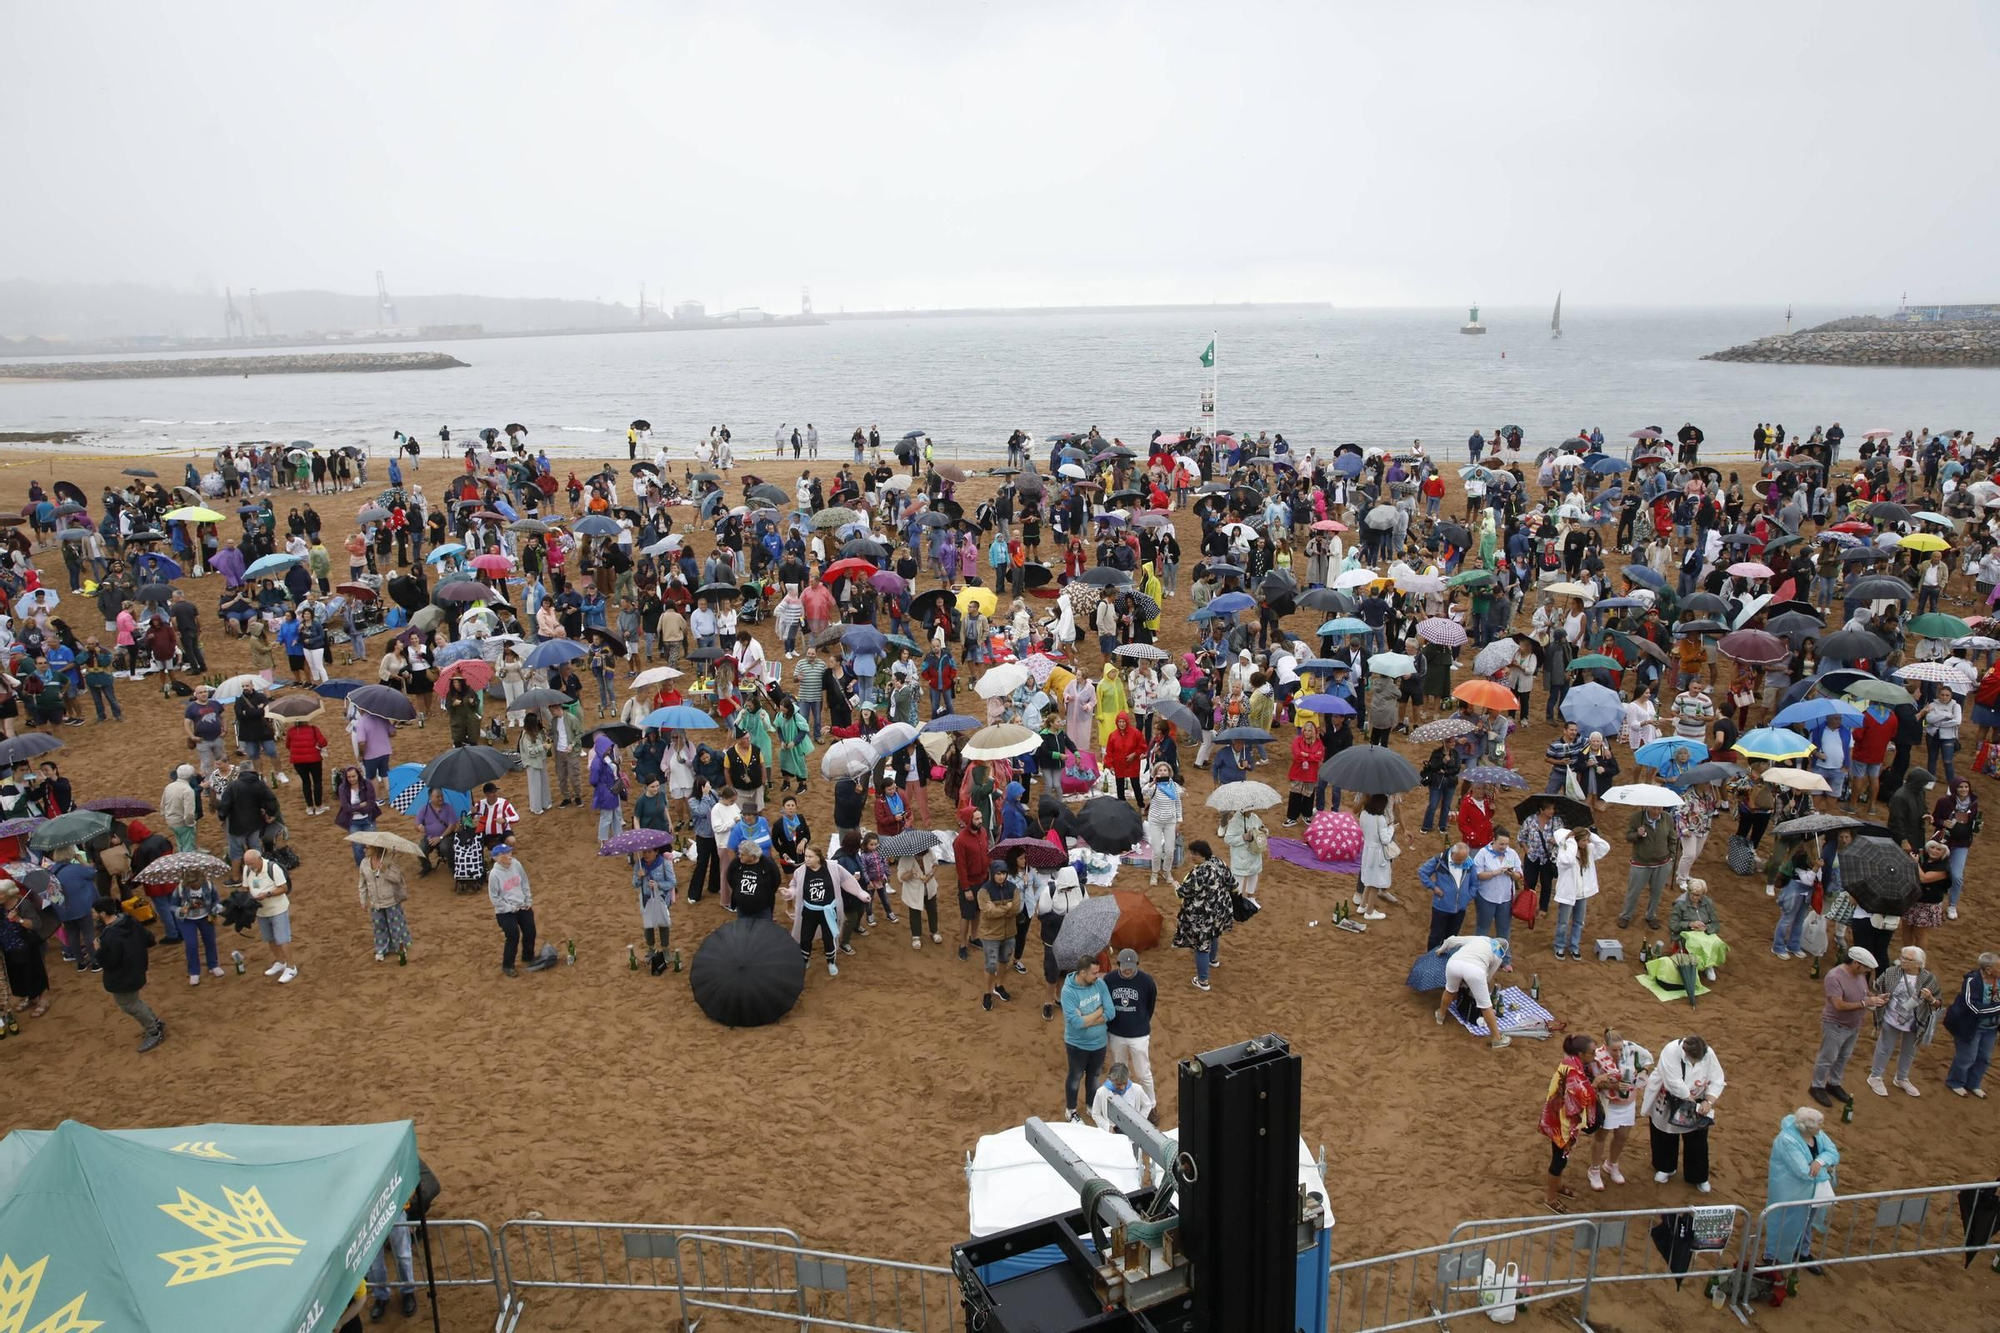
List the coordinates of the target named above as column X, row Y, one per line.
column 1470, row 578
column 1937, row 625
column 1595, row 662
column 70, row 829
column 1874, row 691
column 200, row 1226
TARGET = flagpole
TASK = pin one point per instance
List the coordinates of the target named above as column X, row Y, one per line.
column 1214, row 376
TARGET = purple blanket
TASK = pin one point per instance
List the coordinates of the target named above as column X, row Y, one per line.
column 1296, row 852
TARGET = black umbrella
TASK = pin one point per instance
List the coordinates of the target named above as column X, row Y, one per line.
column 1699, row 627
column 407, row 593
column 1849, row 645
column 1108, row 825
column 925, row 605
column 1718, row 770
column 1740, row 539
column 1104, row 576
column 706, row 653
column 155, row 592
column 641, row 423
column 861, row 548
column 1574, row 814
column 140, row 472
column 1888, row 511
column 1699, row 603
column 1880, row 876
column 622, row 734
column 717, row 590
column 1455, row 534
column 1815, row 823
column 1795, row 623
column 1374, row 770
column 1881, row 586
column 1325, row 600
column 775, row 494
column 1180, row 715
column 747, row 973
column 1855, row 555
column 383, row 702
column 464, row 767
column 1036, row 576
column 20, row 749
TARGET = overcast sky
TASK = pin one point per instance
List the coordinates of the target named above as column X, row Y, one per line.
column 926, row 154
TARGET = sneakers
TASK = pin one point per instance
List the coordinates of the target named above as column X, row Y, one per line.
column 1500, row 1043
column 916, row 941
column 1617, row 1176
column 1021, row 967
column 378, row 955
column 1877, row 1086
column 847, row 949
column 1596, row 1178
column 1709, row 975
column 1951, row 913
column 153, row 1039
column 1908, row 1087
column 1372, row 915
column 284, row 778
column 1199, row 984
column 274, row 969
column 832, row 968
column 194, row 978
column 287, row 976
column 1821, row 1096
column 215, row 971
column 986, row 1003
column 1662, row 1177
column 1001, row 991
column 1704, row 1187
column 937, row 939
column 1075, row 1118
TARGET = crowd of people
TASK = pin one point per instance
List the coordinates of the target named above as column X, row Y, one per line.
column 697, row 659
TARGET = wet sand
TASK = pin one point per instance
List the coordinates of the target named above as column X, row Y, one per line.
column 594, row 1092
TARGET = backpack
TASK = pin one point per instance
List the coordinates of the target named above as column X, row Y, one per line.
column 1987, row 694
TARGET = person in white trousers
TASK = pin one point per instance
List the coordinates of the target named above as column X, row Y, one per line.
column 1163, row 822
column 1130, row 1031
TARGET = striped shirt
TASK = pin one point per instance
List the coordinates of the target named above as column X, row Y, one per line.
column 496, row 816
column 808, row 679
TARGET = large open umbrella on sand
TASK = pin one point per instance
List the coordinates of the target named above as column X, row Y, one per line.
column 1374, row 770
column 1086, row 931
column 748, row 973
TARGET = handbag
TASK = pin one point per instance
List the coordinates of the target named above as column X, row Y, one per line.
column 1526, row 906
column 1243, row 908
column 1684, row 1115
column 1742, row 856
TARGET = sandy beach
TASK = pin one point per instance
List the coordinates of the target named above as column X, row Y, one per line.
column 595, row 1092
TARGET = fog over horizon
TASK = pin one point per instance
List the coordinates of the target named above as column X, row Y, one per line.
column 904, row 155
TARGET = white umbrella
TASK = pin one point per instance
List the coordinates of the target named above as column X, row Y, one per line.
column 1422, row 584
column 232, row 689
column 1233, row 530
column 1568, row 588
column 892, row 738
column 1004, row 741
column 847, row 759
column 1751, row 608
column 1232, row 797
column 1393, row 665
column 1355, row 578
column 1001, row 680
column 1658, row 798
column 1497, row 654
column 1564, row 462
column 899, row 482
column 1798, row 779
column 1382, row 517
column 1071, row 471
column 653, row 676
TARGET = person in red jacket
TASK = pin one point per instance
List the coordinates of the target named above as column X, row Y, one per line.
column 1871, row 749
column 1124, row 751
column 969, row 858
column 1308, row 753
column 305, row 746
column 1475, row 817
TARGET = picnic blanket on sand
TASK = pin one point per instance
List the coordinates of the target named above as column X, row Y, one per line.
column 1298, row 854
column 1523, row 1016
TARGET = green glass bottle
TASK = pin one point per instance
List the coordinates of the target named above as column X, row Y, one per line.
column 632, row 956
column 403, row 956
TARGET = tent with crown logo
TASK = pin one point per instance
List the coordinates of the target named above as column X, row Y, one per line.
column 203, row 1226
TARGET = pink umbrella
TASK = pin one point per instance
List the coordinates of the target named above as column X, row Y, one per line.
column 476, row 671
column 490, row 563
column 1750, row 569
column 1334, row 835
column 888, row 582
column 1878, row 434
column 1648, row 433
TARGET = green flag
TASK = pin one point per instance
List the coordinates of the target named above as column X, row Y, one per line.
column 1208, row 353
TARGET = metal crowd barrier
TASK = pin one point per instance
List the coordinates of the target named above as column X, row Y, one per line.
column 1432, row 1286
column 1863, row 1229
column 461, row 1255
column 1592, row 1250
column 816, row 1288
column 634, row 1256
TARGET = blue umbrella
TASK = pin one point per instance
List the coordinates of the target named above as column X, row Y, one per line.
column 678, row 717
column 1427, row 973
column 863, row 639
column 158, row 568
column 270, row 564
column 1231, row 603
column 442, row 553
column 1604, row 464
column 1204, row 615
column 596, row 525
column 1613, row 604
column 1331, row 704
column 1655, row 753
column 1813, row 711
column 1645, row 577
column 407, row 790
column 1349, row 464
column 1321, row 665
column 554, row 652
column 951, row 722
column 1253, row 735
column 1344, row 624
column 1593, row 708
column 337, row 689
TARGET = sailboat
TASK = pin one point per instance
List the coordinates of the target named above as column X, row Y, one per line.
column 1472, row 325
column 1556, row 322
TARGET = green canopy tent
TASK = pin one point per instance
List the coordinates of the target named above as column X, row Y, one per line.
column 252, row 1227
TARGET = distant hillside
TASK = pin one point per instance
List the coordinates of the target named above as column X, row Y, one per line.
column 85, row 311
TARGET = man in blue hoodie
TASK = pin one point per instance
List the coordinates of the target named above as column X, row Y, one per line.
column 1449, row 877
column 1086, row 1009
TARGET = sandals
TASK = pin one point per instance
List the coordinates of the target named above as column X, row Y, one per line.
column 39, row 1009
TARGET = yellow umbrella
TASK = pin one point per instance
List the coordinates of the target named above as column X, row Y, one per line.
column 1924, row 541
column 983, row 598
column 193, row 514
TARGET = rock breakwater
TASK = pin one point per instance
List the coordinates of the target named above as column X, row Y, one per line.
column 179, row 368
column 1867, row 341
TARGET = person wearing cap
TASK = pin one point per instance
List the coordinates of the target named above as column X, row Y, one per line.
column 179, row 807
column 1849, row 996
column 1134, row 996
column 513, row 900
column 1473, row 962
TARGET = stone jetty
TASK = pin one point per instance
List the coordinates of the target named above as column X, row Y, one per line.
column 1867, row 341
column 324, row 363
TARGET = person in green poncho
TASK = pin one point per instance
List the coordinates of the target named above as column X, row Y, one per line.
column 755, row 723
column 794, row 744
column 1489, row 540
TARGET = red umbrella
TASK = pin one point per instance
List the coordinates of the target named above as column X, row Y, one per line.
column 476, row 671
column 850, row 568
column 1139, row 922
column 1756, row 647
column 1854, row 526
column 360, row 592
column 494, row 564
